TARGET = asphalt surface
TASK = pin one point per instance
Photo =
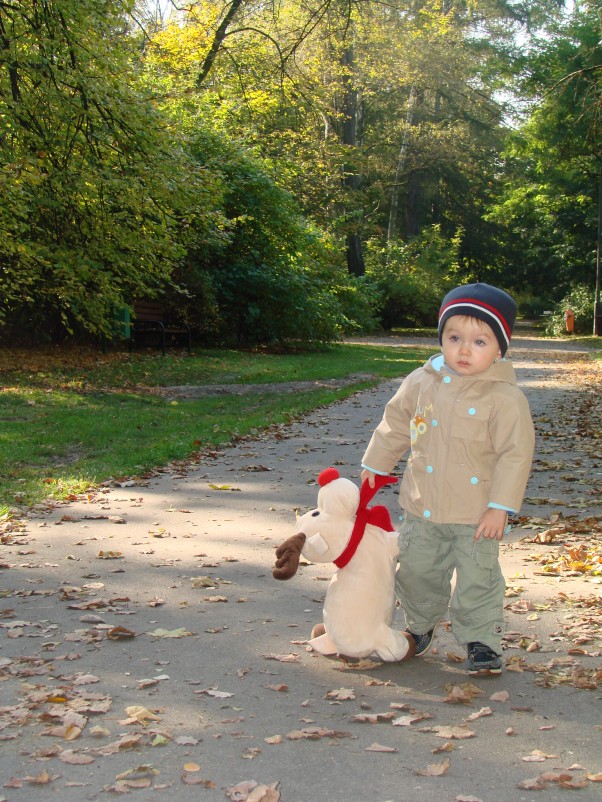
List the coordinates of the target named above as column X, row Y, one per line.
column 145, row 648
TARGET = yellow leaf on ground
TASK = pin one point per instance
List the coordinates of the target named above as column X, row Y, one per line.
column 140, row 713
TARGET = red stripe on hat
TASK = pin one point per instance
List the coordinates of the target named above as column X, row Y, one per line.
column 475, row 302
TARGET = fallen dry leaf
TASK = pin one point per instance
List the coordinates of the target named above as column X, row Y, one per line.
column 315, row 733
column 282, row 658
column 484, row 711
column 434, row 769
column 380, row 748
column 43, row 778
column 170, row 633
column 562, row 779
column 533, row 784
column 215, row 693
column 373, row 718
column 537, row 756
column 252, row 791
column 203, row 582
column 251, row 752
column 464, row 693
column 458, row 733
column 86, row 679
column 194, row 779
column 340, row 694
column 186, row 740
column 75, row 758
column 127, row 742
column 140, row 714
column 120, row 633
column 412, row 718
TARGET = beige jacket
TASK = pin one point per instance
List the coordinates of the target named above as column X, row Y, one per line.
column 471, row 440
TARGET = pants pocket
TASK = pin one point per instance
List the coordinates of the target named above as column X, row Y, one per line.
column 405, row 536
column 486, row 553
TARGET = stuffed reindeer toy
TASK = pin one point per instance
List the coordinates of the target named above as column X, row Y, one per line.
column 361, row 542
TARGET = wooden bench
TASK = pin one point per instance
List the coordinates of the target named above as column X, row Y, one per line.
column 149, row 319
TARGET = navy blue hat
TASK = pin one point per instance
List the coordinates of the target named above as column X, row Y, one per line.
column 487, row 303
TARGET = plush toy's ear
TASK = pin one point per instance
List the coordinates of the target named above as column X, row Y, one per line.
column 287, row 557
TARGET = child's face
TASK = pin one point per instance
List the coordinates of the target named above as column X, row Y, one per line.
column 469, row 345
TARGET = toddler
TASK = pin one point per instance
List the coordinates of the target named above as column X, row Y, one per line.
column 471, row 437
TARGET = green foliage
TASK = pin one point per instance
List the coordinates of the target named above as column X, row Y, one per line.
column 222, row 166
column 413, row 277
column 548, row 208
column 92, row 191
column 579, row 300
column 271, row 278
column 532, row 307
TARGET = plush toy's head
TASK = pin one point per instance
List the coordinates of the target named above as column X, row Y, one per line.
column 337, row 497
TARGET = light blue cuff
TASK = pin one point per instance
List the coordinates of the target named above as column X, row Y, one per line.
column 495, row 506
column 380, row 473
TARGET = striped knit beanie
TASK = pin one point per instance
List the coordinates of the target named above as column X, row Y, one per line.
column 484, row 302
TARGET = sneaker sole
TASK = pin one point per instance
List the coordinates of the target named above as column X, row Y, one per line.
column 484, row 672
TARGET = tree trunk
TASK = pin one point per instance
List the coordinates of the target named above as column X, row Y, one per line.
column 351, row 179
column 219, row 37
column 355, row 256
column 393, row 228
column 598, row 301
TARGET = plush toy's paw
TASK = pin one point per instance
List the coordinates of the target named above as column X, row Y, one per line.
column 411, row 647
column 287, row 557
column 319, row 629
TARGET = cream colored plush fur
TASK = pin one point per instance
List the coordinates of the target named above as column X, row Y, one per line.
column 360, row 599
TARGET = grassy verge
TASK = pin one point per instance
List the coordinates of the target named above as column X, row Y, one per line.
column 72, row 420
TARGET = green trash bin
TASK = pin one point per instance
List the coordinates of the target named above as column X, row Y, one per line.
column 122, row 323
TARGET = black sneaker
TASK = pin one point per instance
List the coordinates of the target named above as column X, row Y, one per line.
column 423, row 642
column 482, row 660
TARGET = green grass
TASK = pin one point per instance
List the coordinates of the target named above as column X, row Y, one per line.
column 66, row 427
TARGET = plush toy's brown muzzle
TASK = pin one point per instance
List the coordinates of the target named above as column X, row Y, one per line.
column 287, row 557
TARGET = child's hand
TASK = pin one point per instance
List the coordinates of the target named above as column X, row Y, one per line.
column 371, row 477
column 491, row 524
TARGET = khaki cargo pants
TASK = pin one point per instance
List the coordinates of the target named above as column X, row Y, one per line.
column 429, row 554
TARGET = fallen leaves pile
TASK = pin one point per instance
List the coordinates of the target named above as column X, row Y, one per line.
column 578, row 547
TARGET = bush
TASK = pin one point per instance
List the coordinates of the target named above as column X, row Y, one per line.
column 271, row 278
column 413, row 277
column 581, row 301
column 533, row 308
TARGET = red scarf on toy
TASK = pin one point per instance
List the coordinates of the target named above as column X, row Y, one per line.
column 377, row 516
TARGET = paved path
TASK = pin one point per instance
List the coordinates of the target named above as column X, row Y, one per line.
column 217, row 687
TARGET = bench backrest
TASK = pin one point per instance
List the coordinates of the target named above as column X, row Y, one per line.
column 148, row 310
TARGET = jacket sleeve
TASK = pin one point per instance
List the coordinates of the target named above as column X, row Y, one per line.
column 514, row 441
column 391, row 438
